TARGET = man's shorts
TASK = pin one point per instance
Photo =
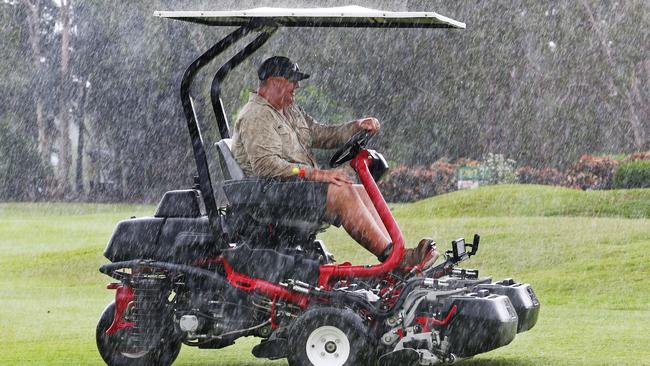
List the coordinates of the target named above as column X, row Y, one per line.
column 295, row 199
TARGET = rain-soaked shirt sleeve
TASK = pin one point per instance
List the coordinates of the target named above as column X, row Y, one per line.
column 329, row 136
column 263, row 145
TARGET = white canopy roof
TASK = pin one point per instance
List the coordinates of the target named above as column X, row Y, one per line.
column 346, row 16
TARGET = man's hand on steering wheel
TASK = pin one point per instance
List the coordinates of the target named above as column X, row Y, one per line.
column 370, row 124
column 334, row 176
column 367, row 128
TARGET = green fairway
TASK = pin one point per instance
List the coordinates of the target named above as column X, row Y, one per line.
column 585, row 253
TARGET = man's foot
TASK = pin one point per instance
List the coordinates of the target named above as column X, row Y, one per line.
column 423, row 256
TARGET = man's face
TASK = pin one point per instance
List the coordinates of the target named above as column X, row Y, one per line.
column 284, row 90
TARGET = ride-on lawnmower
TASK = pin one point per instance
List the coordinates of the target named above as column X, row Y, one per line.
column 204, row 274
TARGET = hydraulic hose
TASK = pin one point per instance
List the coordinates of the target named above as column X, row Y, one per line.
column 374, row 309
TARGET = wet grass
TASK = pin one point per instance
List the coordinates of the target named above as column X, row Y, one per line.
column 584, row 252
column 533, row 200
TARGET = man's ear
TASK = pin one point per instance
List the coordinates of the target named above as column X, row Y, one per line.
column 271, row 83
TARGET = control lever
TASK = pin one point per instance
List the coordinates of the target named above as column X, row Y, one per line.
column 474, row 245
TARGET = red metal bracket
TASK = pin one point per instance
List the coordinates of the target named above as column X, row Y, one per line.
column 267, row 288
column 427, row 323
column 123, row 296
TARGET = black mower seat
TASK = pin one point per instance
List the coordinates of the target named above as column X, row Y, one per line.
column 268, row 201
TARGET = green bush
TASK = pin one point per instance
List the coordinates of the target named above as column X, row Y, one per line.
column 635, row 174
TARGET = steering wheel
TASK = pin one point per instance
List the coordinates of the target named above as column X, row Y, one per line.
column 350, row 149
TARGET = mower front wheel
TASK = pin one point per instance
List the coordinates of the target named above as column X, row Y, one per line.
column 112, row 347
column 328, row 337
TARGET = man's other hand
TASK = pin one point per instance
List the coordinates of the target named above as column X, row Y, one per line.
column 371, row 124
column 334, row 176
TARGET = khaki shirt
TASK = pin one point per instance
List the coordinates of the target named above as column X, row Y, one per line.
column 270, row 143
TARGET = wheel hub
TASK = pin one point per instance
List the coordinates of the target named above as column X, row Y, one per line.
column 328, row 346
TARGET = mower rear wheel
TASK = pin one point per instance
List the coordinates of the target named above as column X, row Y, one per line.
column 328, row 337
column 112, row 347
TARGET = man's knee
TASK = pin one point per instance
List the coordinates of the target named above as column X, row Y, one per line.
column 339, row 193
column 342, row 196
column 360, row 190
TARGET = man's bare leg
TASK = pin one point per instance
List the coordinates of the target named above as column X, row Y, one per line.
column 345, row 202
column 361, row 220
column 371, row 208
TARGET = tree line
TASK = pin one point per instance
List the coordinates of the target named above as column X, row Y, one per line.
column 90, row 109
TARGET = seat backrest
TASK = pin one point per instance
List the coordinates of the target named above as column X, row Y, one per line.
column 229, row 166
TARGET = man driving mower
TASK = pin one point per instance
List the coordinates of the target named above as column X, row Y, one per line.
column 273, row 138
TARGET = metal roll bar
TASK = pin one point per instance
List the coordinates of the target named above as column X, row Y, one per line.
column 215, row 89
column 198, row 147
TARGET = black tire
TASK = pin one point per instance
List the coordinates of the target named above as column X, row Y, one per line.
column 328, row 336
column 110, row 346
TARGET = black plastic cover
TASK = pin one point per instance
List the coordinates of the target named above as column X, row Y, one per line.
column 272, row 266
column 480, row 324
column 176, row 240
column 378, row 167
column 181, row 203
column 134, row 239
column 521, row 296
column 187, row 239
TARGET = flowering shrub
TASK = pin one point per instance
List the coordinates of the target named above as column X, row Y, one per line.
column 548, row 176
column 496, row 169
column 408, row 184
column 467, row 162
column 592, row 172
column 643, row 155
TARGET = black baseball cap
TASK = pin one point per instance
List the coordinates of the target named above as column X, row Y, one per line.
column 280, row 66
